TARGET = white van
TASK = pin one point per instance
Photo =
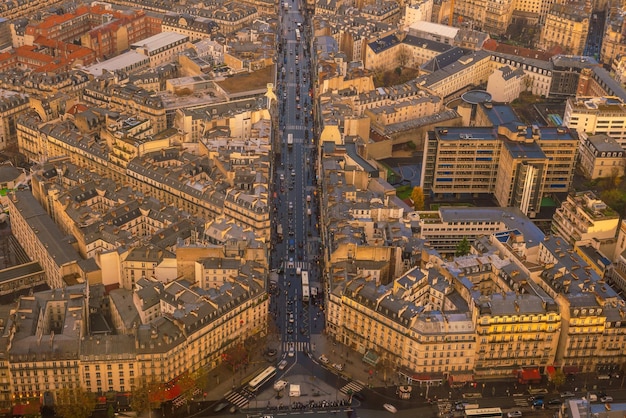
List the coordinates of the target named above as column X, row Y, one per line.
column 299, row 271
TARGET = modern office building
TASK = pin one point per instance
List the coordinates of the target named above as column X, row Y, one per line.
column 518, row 164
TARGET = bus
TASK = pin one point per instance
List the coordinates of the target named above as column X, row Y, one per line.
column 262, row 378
column 483, row 413
column 297, row 34
column 305, row 286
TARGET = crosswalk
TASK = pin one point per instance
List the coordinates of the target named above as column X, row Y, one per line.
column 303, row 346
column 239, row 399
column 353, row 386
column 297, row 128
column 304, row 265
column 521, row 402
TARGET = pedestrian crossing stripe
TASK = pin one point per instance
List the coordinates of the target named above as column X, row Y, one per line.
column 297, row 128
column 303, row 265
column 353, row 386
column 298, row 346
column 237, row 399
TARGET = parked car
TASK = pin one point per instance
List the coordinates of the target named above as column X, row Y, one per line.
column 514, row 414
column 567, row 394
column 538, row 403
column 338, row 366
column 555, row 402
column 606, row 399
column 220, row 406
column 324, row 359
column 389, row 407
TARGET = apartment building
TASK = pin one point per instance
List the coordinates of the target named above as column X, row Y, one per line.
column 613, row 41
column 450, row 77
column 446, row 228
column 72, row 354
column 567, row 26
column 195, row 27
column 382, row 11
column 583, row 219
column 392, row 328
column 505, row 84
column 583, row 303
column 533, row 9
column 11, row 106
column 518, row 167
column 352, row 33
column 601, row 156
column 597, row 115
column 161, row 48
column 39, row 236
column 415, row 11
column 122, row 29
column 230, row 16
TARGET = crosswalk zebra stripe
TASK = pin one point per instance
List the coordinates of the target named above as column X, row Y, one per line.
column 298, row 346
column 237, row 399
column 354, row 386
column 304, row 265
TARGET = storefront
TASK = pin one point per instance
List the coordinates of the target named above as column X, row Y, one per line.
column 457, row 380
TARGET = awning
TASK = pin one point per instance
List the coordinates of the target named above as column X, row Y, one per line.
column 371, row 358
column 570, row 369
column 461, row 378
column 550, row 370
column 164, row 395
column 26, row 409
column 530, row 374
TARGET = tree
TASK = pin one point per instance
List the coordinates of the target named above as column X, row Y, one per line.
column 74, row 403
column 463, row 248
column 146, row 395
column 417, row 196
column 558, row 378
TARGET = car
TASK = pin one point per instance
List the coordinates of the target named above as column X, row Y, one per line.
column 606, row 399
column 514, row 414
column 338, row 366
column 324, row 359
column 292, row 350
column 282, row 365
column 359, row 396
column 538, row 403
column 291, row 318
column 389, row 407
column 220, row 406
column 290, row 329
column 567, row 394
column 555, row 402
column 536, row 397
column 282, row 176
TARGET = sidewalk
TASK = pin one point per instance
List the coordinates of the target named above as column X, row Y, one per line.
column 353, row 366
column 222, row 379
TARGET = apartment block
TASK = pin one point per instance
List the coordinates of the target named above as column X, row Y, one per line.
column 11, row 106
column 40, row 237
column 195, row 27
column 505, row 84
column 161, row 48
column 601, row 156
column 583, row 219
column 73, row 353
column 567, row 26
column 597, row 115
